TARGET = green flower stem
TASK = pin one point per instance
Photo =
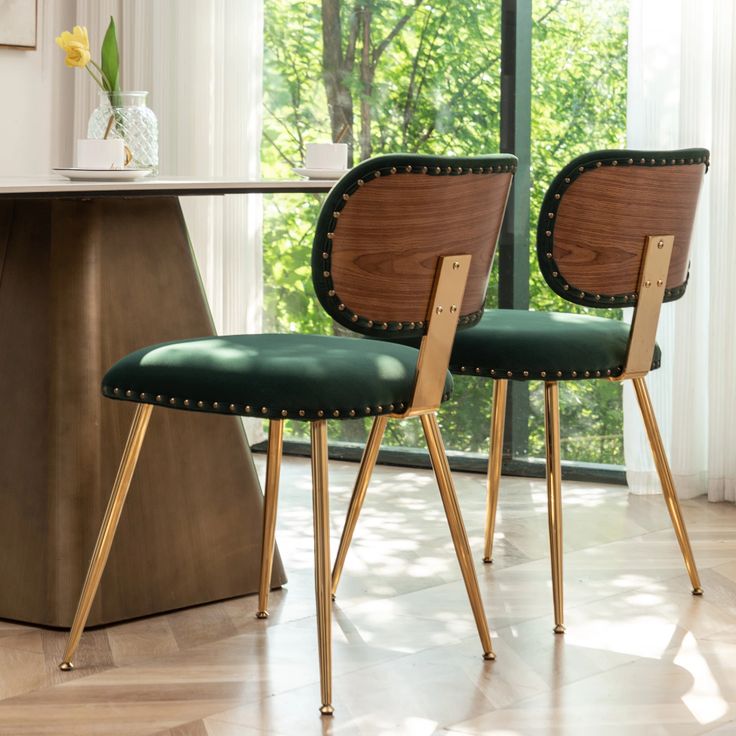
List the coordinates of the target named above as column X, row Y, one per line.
column 95, row 77
column 102, row 81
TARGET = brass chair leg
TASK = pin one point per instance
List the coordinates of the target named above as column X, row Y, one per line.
column 368, row 462
column 320, row 502
column 457, row 528
column 107, row 531
column 495, row 451
column 270, row 497
column 665, row 478
column 554, row 497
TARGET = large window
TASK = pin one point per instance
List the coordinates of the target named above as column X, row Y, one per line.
column 424, row 76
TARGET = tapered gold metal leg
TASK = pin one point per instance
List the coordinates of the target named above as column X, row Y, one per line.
column 107, row 531
column 320, row 502
column 368, row 462
column 665, row 478
column 457, row 528
column 495, row 452
column 554, row 497
column 271, row 496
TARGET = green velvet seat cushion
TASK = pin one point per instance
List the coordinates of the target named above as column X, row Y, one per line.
column 274, row 376
column 526, row 346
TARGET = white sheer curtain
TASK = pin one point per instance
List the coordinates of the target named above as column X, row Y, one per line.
column 201, row 62
column 682, row 92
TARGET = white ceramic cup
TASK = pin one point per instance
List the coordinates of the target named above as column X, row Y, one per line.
column 100, row 154
column 326, row 156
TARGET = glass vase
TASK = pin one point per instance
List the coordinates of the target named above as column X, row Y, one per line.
column 125, row 115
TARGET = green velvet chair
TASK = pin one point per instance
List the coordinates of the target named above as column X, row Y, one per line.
column 614, row 231
column 403, row 245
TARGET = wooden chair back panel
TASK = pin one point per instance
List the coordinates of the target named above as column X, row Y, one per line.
column 387, row 242
column 591, row 243
column 390, row 232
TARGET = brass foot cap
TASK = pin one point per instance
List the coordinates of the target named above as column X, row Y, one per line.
column 488, row 560
column 262, row 614
column 327, row 710
column 697, row 591
column 489, row 656
column 559, row 629
column 66, row 666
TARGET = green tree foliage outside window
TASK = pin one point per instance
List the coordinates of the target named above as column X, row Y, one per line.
column 423, row 76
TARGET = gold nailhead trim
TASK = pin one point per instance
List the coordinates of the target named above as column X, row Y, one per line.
column 248, row 409
column 477, row 370
column 302, row 412
column 557, row 196
column 325, row 255
column 408, row 169
column 367, row 410
column 232, row 407
column 116, row 391
column 567, row 180
column 509, row 374
column 559, row 374
column 330, row 236
column 525, row 373
column 346, row 197
column 377, row 174
column 548, row 233
column 143, row 396
column 493, row 372
column 128, row 393
column 320, row 413
column 614, row 163
column 543, row 374
column 379, row 409
column 172, row 402
column 331, row 292
column 393, row 169
column 352, row 412
column 587, row 374
column 215, row 405
column 159, row 398
column 597, row 164
column 284, row 413
column 360, row 182
column 326, row 274
column 187, row 402
column 574, row 374
column 200, row 404
column 341, row 307
column 264, row 410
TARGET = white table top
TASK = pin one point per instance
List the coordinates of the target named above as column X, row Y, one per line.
column 57, row 186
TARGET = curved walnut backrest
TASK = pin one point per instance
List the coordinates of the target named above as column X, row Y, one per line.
column 386, row 223
column 598, row 212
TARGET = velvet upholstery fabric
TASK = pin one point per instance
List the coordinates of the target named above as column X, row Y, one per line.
column 272, row 376
column 524, row 346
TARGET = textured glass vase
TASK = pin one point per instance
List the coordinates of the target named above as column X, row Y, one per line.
column 126, row 116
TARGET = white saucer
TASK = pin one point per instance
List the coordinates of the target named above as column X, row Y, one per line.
column 332, row 174
column 103, row 174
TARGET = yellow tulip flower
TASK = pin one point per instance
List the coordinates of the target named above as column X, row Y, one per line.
column 76, row 46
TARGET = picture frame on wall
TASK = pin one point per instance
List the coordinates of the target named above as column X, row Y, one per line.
column 18, row 23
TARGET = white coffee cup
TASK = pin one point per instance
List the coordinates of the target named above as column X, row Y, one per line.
column 326, row 156
column 95, row 153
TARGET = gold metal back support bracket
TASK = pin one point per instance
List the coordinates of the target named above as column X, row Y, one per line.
column 652, row 283
column 434, row 351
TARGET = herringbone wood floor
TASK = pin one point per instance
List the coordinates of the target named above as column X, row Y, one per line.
column 641, row 655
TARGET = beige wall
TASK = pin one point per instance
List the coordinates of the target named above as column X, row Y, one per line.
column 35, row 98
